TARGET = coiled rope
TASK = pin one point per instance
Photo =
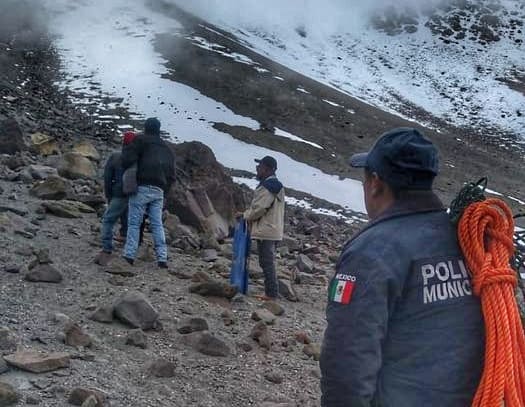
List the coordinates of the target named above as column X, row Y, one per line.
column 485, row 232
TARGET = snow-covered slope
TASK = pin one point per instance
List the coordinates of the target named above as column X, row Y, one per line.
column 460, row 60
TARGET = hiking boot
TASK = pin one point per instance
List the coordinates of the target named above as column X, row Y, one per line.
column 162, row 264
column 103, row 258
column 130, row 261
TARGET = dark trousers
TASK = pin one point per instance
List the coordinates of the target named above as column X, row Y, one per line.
column 266, row 249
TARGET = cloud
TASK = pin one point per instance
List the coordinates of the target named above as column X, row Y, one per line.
column 22, row 22
column 318, row 18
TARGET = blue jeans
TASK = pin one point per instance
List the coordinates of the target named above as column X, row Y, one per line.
column 148, row 199
column 116, row 208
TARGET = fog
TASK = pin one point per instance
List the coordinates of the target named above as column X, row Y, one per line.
column 22, row 21
column 318, row 18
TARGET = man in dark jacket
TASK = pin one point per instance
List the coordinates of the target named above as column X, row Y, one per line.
column 404, row 328
column 117, row 201
column 155, row 175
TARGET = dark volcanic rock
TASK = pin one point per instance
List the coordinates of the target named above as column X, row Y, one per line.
column 162, row 368
column 8, row 341
column 207, row 197
column 53, row 188
column 207, row 344
column 190, row 325
column 75, row 336
column 75, row 165
column 8, row 395
column 103, row 313
column 137, row 338
column 44, row 273
column 79, row 395
column 261, row 333
column 214, row 289
column 287, row 291
column 11, row 137
column 136, row 311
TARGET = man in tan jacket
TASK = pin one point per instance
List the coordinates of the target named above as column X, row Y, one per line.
column 266, row 219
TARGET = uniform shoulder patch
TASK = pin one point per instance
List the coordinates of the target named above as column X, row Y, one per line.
column 341, row 288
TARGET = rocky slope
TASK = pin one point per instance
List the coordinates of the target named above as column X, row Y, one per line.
column 124, row 336
column 74, row 333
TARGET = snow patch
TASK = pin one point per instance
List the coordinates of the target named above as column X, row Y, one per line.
column 282, row 133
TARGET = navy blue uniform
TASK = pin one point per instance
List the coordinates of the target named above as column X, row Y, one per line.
column 404, row 328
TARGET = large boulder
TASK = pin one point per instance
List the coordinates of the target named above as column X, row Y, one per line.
column 204, row 196
column 86, row 149
column 75, row 166
column 11, row 137
column 53, row 188
column 39, row 172
column 44, row 145
column 135, row 310
column 194, row 208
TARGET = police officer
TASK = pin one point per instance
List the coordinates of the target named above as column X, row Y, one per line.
column 404, row 329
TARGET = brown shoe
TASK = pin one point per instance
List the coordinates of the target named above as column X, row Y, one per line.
column 103, row 258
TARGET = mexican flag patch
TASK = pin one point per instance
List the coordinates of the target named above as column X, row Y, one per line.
column 341, row 291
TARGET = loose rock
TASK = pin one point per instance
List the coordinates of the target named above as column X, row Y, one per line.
column 3, row 366
column 263, row 315
column 8, row 395
column 8, row 341
column 36, row 362
column 261, row 334
column 312, row 350
column 44, row 273
column 190, row 325
column 274, row 377
column 214, row 289
column 274, row 307
column 103, row 313
column 75, row 336
column 162, row 368
column 304, row 264
column 135, row 310
column 79, row 396
column 287, row 291
column 137, row 338
column 207, row 344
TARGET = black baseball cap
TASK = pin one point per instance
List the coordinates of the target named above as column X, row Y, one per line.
column 152, row 126
column 269, row 161
column 403, row 158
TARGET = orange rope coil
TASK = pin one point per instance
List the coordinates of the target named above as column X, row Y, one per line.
column 485, row 235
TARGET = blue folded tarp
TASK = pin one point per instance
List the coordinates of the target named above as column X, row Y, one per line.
column 241, row 251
